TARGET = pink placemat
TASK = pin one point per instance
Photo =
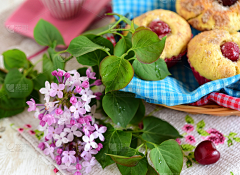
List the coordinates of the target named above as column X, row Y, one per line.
column 25, row 18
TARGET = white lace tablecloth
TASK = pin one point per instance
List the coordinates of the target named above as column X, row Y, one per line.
column 30, row 160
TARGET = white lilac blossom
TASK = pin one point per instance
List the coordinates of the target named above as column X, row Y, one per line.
column 67, row 120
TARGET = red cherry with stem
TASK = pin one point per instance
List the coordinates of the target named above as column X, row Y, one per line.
column 230, row 50
column 227, row 2
column 160, row 28
column 206, row 153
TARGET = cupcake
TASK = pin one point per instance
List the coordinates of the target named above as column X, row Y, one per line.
column 214, row 55
column 170, row 24
column 210, row 14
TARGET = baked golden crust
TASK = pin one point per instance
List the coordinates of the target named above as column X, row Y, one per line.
column 180, row 35
column 204, row 54
column 209, row 14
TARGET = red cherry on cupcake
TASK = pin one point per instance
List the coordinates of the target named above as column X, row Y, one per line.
column 160, row 28
column 230, row 50
column 206, row 153
column 227, row 2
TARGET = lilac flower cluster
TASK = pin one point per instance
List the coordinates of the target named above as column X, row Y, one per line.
column 69, row 128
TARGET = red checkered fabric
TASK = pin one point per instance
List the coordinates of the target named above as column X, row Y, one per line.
column 110, row 37
column 221, row 99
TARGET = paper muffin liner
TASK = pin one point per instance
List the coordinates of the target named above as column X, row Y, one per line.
column 174, row 60
column 63, row 9
column 200, row 79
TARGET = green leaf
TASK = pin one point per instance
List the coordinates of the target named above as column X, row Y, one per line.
column 231, row 173
column 167, row 158
column 94, row 58
column 134, row 142
column 82, row 45
column 187, row 147
column 189, row 163
column 47, row 67
column 157, row 131
column 237, row 139
column 2, row 76
column 147, row 46
column 17, row 85
column 139, row 114
column 230, row 143
column 10, row 106
column 116, row 73
column 201, row 124
column 115, row 141
column 153, row 72
column 58, row 62
column 140, row 169
column 120, row 107
column 202, row 132
column 39, row 81
column 98, row 30
column 189, row 119
column 151, row 171
column 232, row 134
column 45, row 34
column 123, row 45
column 39, row 134
column 128, row 157
column 15, row 59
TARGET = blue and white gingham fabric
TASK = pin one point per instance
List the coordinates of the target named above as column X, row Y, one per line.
column 181, row 87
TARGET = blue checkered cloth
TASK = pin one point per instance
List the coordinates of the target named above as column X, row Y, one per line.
column 181, row 87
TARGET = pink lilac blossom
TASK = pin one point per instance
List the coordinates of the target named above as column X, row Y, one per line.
column 67, row 120
column 215, row 136
column 32, row 105
column 190, row 139
column 188, row 128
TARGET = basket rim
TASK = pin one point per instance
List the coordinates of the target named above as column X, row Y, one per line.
column 215, row 110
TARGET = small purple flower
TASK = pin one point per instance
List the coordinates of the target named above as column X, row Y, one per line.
column 73, row 100
column 67, row 167
column 71, row 132
column 98, row 95
column 49, row 119
column 190, row 139
column 58, row 111
column 57, row 90
column 87, row 129
column 58, row 160
column 49, row 150
column 78, row 89
column 99, row 132
column 87, row 155
column 68, row 157
column 188, row 128
column 40, row 116
column 67, row 75
column 89, row 165
column 59, row 151
column 78, row 166
column 89, row 142
column 90, row 74
column 60, row 73
column 54, row 73
column 42, row 123
column 100, row 146
column 78, row 109
column 77, row 173
column 41, row 146
column 87, row 95
column 52, row 131
column 85, row 84
column 97, row 83
column 61, row 139
column 46, row 90
column 32, row 105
